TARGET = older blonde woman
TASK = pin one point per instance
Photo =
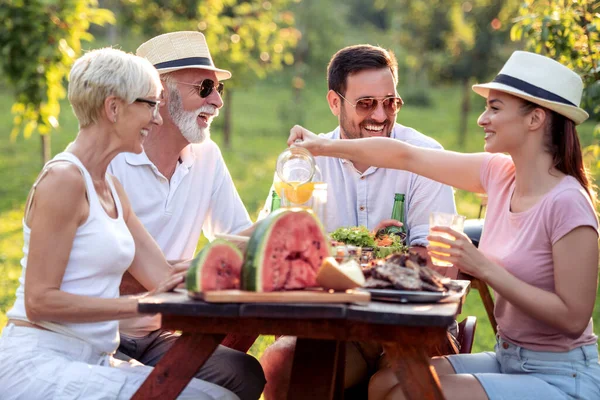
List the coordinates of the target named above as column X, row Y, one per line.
column 80, row 236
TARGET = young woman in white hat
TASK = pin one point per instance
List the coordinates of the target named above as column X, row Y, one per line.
column 539, row 248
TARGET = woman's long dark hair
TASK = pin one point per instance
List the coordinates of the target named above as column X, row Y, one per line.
column 564, row 146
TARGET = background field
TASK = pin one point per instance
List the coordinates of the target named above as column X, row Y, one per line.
column 262, row 117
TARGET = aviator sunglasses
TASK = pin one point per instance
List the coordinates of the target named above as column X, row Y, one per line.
column 366, row 106
column 205, row 87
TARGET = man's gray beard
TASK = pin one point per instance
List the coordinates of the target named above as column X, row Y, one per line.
column 186, row 121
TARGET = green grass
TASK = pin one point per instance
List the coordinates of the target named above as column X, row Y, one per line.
column 263, row 116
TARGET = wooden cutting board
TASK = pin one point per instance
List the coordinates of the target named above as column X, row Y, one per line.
column 289, row 296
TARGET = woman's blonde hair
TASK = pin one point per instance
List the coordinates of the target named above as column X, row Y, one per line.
column 109, row 72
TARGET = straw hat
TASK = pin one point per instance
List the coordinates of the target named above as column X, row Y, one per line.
column 542, row 81
column 180, row 50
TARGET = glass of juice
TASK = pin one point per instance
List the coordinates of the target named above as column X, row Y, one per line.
column 454, row 221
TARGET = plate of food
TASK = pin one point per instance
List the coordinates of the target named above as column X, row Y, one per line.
column 405, row 278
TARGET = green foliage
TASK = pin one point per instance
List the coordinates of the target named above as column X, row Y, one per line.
column 39, row 40
column 354, row 235
column 568, row 31
column 450, row 39
column 247, row 37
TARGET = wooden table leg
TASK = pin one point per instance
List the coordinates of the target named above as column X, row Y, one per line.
column 416, row 376
column 315, row 372
column 340, row 369
column 178, row 366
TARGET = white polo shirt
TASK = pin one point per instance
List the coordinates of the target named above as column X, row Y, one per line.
column 200, row 198
column 367, row 199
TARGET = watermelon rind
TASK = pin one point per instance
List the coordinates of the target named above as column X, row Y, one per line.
column 193, row 278
column 254, row 257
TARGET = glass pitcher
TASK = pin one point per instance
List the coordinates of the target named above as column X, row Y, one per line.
column 296, row 176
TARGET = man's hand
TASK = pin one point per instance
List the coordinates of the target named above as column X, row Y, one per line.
column 248, row 231
column 385, row 223
column 302, row 137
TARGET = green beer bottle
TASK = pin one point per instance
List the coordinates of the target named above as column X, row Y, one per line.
column 398, row 215
column 275, row 201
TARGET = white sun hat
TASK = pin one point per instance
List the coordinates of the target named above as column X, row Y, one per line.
column 180, row 50
column 541, row 80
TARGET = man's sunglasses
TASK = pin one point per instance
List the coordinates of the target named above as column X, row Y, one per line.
column 205, row 87
column 365, row 106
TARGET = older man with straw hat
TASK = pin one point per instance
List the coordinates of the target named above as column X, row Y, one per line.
column 180, row 187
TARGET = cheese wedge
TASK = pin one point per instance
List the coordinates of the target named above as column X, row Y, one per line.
column 334, row 276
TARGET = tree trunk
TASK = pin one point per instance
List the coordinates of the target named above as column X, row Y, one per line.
column 46, row 148
column 227, row 122
column 464, row 115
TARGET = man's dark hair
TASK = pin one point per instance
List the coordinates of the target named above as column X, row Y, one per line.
column 353, row 59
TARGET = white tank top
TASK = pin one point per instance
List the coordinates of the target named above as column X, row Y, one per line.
column 103, row 249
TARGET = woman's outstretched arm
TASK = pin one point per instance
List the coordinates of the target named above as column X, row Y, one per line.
column 459, row 170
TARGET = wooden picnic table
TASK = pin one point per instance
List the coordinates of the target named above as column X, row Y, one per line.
column 407, row 331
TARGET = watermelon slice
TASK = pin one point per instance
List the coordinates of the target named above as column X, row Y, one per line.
column 217, row 267
column 285, row 252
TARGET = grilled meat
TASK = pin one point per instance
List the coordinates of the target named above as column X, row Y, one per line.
column 406, row 272
column 373, row 283
column 401, row 278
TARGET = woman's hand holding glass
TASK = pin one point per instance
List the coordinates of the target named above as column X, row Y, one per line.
column 459, row 251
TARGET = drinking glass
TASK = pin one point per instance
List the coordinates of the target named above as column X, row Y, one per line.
column 454, row 221
column 318, row 202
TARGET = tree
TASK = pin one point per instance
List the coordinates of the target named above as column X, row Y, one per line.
column 451, row 40
column 39, row 40
column 248, row 37
column 567, row 31
column 473, row 46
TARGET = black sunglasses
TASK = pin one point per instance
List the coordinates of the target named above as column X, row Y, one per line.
column 367, row 105
column 205, row 87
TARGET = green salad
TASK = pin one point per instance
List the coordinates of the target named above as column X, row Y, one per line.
column 354, row 235
column 397, row 246
column 360, row 236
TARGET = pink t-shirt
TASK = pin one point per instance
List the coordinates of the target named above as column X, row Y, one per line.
column 522, row 243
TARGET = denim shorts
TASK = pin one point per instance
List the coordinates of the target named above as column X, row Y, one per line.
column 39, row 364
column 515, row 373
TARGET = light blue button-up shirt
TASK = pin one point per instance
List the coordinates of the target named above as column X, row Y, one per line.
column 367, row 199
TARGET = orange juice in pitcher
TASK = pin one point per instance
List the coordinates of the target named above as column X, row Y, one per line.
column 297, row 174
